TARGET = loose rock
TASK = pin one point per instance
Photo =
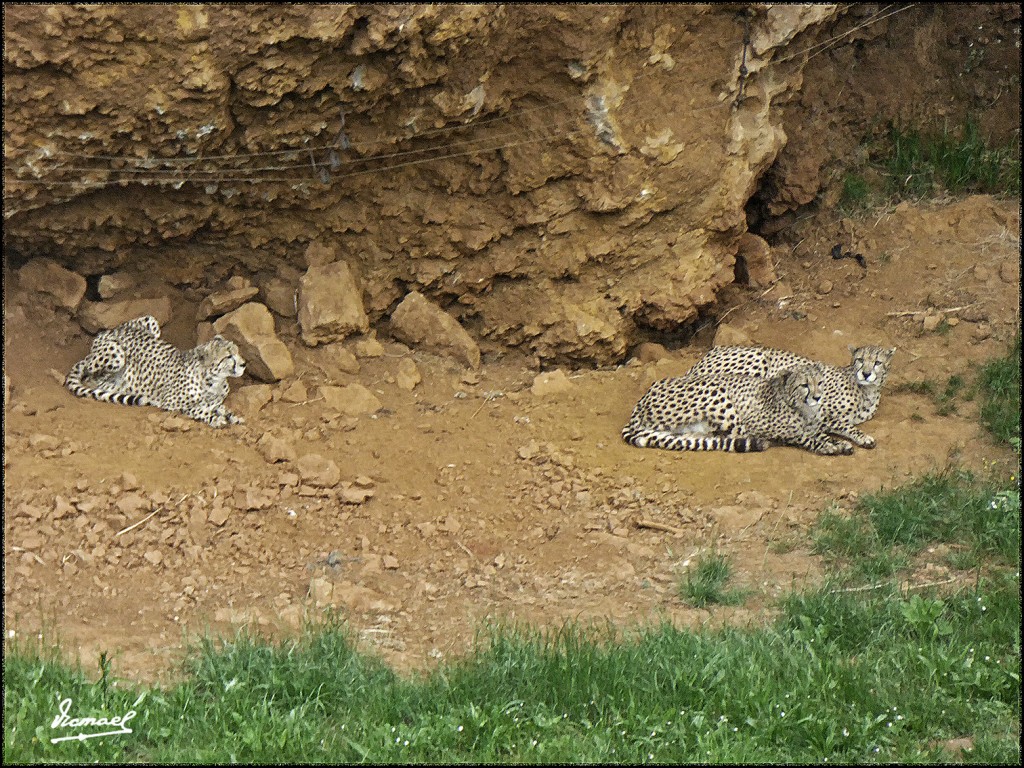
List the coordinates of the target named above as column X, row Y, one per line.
column 224, row 301
column 756, row 256
column 419, row 322
column 551, row 383
column 353, row 400
column 96, row 316
column 330, row 304
column 275, row 449
column 43, row 275
column 408, row 375
column 369, row 347
column 115, row 283
column 318, row 471
column 249, row 399
column 730, row 336
column 280, row 295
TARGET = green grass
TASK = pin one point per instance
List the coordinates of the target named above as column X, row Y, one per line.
column 857, row 192
column 838, row 676
column 1000, row 385
column 909, row 163
column 888, row 529
column 705, row 582
column 921, row 164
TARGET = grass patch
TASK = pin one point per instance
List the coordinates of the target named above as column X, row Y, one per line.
column 838, row 676
column 1000, row 386
column 705, row 583
column 857, row 193
column 886, row 530
column 909, row 164
column 922, row 164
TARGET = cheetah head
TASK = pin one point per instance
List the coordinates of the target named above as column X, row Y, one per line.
column 221, row 357
column 801, row 388
column 871, row 364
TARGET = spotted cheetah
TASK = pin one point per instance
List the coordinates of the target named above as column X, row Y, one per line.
column 132, row 365
column 849, row 395
column 733, row 413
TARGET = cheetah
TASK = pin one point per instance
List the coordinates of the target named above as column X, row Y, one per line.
column 849, row 395
column 132, row 365
column 733, row 413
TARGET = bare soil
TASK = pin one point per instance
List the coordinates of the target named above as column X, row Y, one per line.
column 471, row 499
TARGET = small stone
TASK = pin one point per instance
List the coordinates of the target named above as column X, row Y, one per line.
column 353, row 400
column 219, row 515
column 281, row 296
column 1009, row 271
column 250, row 399
column 369, row 347
column 343, row 359
column 154, row 556
column 224, row 301
column 115, row 283
column 730, row 336
column 408, row 375
column 550, row 383
column 275, row 449
column 321, row 591
column 295, row 392
column 825, row 287
column 931, row 322
column 390, row 562
column 41, row 442
column 650, row 352
column 318, row 471
column 352, row 495
column 982, row 273
column 529, row 450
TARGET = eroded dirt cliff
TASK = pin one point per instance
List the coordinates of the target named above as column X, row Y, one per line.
column 556, row 175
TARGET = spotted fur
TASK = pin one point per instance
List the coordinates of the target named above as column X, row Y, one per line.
column 849, row 395
column 132, row 365
column 733, row 413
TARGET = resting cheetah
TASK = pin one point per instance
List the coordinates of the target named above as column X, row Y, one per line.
column 733, row 413
column 132, row 365
column 849, row 395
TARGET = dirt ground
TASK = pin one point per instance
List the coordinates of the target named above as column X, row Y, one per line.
column 470, row 498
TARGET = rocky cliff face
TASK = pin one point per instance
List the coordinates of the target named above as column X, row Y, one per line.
column 564, row 178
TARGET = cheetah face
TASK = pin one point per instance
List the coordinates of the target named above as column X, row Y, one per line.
column 871, row 365
column 222, row 357
column 803, row 388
